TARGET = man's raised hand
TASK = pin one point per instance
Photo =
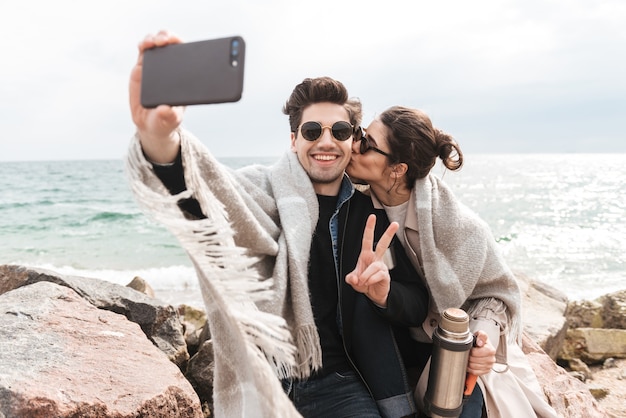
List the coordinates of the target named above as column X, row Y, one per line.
column 156, row 127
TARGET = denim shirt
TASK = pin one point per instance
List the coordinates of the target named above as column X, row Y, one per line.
column 345, row 193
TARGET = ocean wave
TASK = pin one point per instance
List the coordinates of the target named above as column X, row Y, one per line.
column 112, row 216
column 23, row 204
column 506, row 238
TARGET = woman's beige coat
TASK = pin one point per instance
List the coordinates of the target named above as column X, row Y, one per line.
column 462, row 267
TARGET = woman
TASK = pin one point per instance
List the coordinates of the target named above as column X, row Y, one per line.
column 454, row 252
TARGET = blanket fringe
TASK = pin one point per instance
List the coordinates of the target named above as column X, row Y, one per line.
column 307, row 358
column 210, row 245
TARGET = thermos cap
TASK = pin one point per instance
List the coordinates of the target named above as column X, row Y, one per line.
column 455, row 320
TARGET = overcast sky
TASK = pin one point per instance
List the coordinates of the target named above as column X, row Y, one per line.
column 499, row 75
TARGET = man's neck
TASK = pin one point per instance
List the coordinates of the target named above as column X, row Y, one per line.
column 328, row 189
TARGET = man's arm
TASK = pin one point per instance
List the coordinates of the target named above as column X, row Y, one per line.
column 173, row 178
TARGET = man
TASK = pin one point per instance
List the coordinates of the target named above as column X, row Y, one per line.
column 302, row 222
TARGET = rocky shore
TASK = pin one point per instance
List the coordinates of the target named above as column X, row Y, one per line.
column 76, row 347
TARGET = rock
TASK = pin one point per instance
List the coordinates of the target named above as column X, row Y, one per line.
column 584, row 314
column 614, row 313
column 200, row 373
column 205, row 334
column 578, row 365
column 192, row 337
column 609, row 380
column 607, row 311
column 596, row 329
column 142, row 286
column 194, row 322
column 594, row 345
column 197, row 317
column 159, row 321
column 596, row 336
column 599, row 393
column 543, row 314
column 550, row 292
column 567, row 395
column 12, row 277
column 60, row 356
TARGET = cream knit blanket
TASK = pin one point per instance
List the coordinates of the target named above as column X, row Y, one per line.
column 243, row 258
column 462, row 263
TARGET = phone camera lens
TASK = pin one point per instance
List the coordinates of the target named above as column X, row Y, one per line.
column 234, row 47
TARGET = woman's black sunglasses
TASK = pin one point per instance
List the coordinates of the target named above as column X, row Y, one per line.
column 365, row 143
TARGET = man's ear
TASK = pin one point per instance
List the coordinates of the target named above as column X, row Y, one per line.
column 293, row 142
column 399, row 170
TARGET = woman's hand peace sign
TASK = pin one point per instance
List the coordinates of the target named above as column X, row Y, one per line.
column 371, row 274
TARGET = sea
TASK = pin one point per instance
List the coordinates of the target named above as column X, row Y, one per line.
column 558, row 218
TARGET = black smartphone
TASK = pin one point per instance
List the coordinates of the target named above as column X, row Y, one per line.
column 194, row 73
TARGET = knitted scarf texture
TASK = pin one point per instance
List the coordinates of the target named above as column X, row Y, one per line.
column 462, row 263
column 250, row 255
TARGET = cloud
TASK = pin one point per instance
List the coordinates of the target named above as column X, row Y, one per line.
column 501, row 76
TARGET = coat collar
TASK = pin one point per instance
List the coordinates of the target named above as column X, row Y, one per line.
column 410, row 220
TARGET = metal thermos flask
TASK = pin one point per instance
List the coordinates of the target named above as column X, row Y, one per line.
column 452, row 342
